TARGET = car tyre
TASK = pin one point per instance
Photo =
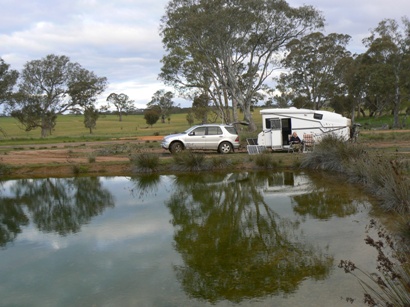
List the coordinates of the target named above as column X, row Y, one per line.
column 176, row 147
column 225, row 147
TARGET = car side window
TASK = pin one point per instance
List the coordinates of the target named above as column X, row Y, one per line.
column 214, row 131
column 199, row 131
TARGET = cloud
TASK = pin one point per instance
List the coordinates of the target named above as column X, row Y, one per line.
column 119, row 39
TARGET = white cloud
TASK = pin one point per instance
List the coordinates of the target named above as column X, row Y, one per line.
column 120, row 39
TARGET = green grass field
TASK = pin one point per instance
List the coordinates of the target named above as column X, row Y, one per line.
column 70, row 128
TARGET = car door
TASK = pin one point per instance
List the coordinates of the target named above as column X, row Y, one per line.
column 213, row 137
column 196, row 138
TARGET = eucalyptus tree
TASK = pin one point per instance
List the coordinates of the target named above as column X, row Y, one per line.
column 228, row 49
column 121, row 102
column 311, row 61
column 352, row 73
column 389, row 49
column 51, row 86
column 164, row 101
column 8, row 79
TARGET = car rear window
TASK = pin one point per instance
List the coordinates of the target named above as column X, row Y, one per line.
column 231, row 129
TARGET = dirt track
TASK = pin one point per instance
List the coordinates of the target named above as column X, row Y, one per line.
column 61, row 159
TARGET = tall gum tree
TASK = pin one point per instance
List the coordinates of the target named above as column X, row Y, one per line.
column 312, row 61
column 49, row 87
column 8, row 79
column 228, row 49
column 389, row 48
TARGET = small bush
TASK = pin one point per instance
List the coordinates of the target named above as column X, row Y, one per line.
column 265, row 160
column 190, row 161
column 145, row 162
column 384, row 178
column 4, row 169
column 79, row 169
column 91, row 158
column 332, row 154
column 220, row 162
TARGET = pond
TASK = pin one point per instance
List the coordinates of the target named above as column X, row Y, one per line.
column 224, row 239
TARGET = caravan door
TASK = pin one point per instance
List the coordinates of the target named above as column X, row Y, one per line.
column 276, row 133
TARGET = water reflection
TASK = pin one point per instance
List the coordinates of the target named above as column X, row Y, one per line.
column 234, row 245
column 239, row 237
column 326, row 198
column 58, row 205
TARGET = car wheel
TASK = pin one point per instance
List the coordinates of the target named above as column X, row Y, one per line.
column 225, row 147
column 176, row 147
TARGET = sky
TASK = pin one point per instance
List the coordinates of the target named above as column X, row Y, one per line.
column 119, row 39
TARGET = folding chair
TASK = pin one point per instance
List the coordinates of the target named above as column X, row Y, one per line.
column 308, row 142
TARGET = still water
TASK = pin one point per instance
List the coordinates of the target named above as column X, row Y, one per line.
column 238, row 239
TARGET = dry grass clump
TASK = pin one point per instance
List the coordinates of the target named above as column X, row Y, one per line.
column 145, row 162
column 382, row 177
column 189, row 161
column 333, row 154
column 391, row 285
column 265, row 160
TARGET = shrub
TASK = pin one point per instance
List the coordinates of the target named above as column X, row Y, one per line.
column 145, row 162
column 4, row 169
column 91, row 158
column 190, row 161
column 265, row 160
column 382, row 177
column 332, row 154
column 219, row 162
column 391, row 285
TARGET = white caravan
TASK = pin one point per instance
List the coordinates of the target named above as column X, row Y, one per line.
column 279, row 124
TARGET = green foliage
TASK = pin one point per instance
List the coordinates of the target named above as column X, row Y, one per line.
column 92, row 158
column 8, row 79
column 145, row 161
column 122, row 103
column 187, row 160
column 312, row 61
column 4, row 169
column 163, row 100
column 151, row 116
column 265, row 160
column 219, row 162
column 90, row 118
column 52, row 86
column 200, row 35
column 381, row 176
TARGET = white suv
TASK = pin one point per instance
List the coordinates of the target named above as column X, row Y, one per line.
column 222, row 138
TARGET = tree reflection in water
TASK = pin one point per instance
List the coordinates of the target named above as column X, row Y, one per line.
column 145, row 185
column 327, row 198
column 235, row 246
column 59, row 205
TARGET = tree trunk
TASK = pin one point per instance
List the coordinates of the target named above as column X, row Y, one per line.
column 248, row 117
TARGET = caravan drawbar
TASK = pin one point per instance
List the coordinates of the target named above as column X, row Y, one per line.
column 279, row 124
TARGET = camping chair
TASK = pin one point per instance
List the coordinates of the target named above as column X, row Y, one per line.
column 290, row 148
column 308, row 142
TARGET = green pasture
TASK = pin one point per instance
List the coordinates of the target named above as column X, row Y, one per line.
column 70, row 128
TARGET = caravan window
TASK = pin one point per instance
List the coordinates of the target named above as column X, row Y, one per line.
column 273, row 123
column 317, row 116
